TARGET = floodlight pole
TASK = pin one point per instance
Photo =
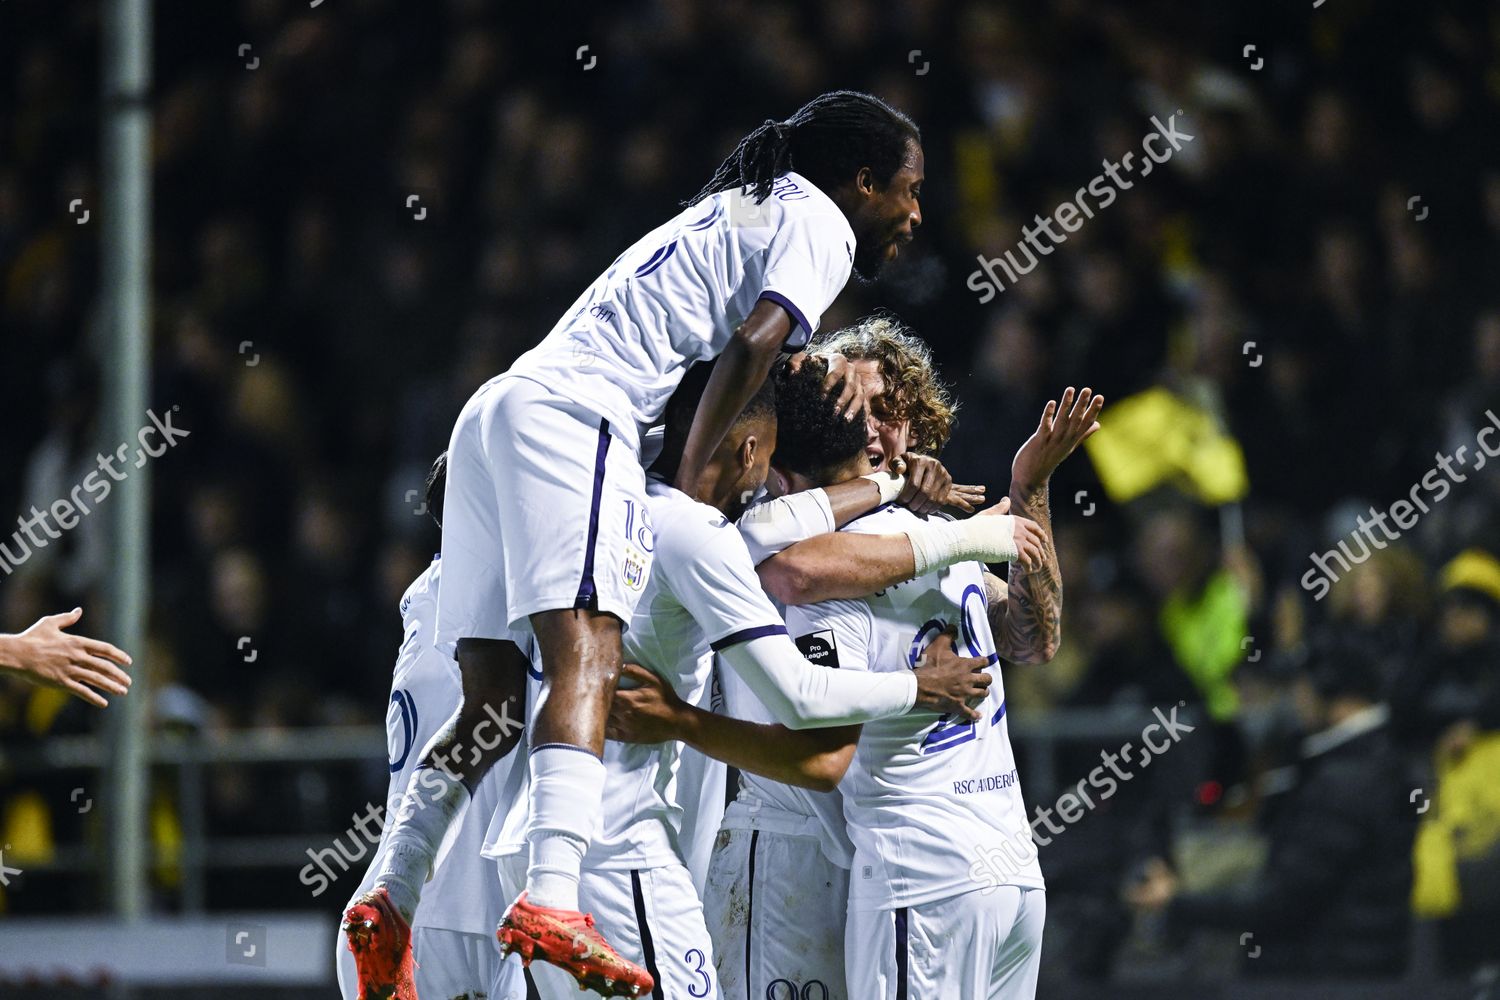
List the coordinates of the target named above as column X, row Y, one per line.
column 125, row 221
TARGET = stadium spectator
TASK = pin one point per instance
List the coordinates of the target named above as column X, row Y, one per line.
column 1332, row 900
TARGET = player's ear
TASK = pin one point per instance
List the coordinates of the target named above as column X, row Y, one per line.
column 777, row 482
column 864, row 182
column 749, row 449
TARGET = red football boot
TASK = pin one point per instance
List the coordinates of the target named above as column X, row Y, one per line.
column 381, row 942
column 568, row 940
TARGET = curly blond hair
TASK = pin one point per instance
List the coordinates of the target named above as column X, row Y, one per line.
column 913, row 390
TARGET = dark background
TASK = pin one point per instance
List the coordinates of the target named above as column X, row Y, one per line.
column 281, row 219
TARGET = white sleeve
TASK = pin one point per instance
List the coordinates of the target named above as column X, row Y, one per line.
column 774, row 525
column 801, row 695
column 707, row 570
column 809, row 263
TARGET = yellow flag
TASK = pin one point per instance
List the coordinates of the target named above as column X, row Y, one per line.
column 1157, row 438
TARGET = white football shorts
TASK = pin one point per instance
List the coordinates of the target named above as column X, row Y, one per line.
column 775, row 906
column 544, row 510
column 974, row 946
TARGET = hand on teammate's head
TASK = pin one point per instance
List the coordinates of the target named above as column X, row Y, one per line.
column 840, row 380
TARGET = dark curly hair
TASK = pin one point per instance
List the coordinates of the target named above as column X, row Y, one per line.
column 811, row 438
column 913, row 390
column 682, row 408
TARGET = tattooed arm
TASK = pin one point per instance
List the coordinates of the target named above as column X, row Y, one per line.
column 1026, row 611
column 1030, row 626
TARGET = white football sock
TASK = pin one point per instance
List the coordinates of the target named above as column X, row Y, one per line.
column 433, row 798
column 567, row 803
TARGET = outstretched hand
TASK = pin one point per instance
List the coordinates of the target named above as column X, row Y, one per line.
column 1064, row 426
column 46, row 655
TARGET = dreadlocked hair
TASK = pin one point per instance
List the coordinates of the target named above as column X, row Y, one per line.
column 912, row 389
column 828, row 140
column 437, row 486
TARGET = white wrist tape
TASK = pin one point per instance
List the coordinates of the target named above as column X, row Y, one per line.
column 937, row 545
column 890, row 485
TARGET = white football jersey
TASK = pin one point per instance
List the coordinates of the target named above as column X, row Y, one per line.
column 700, row 792
column 702, row 595
column 768, row 527
column 677, row 295
column 925, row 796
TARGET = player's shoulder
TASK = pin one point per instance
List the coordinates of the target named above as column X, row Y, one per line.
column 796, row 198
column 762, row 508
column 685, row 526
column 423, row 589
column 816, row 628
column 802, row 196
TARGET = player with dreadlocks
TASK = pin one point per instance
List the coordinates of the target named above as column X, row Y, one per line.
column 547, row 532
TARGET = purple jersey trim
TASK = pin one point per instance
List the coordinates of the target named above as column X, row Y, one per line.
column 792, row 341
column 746, row 634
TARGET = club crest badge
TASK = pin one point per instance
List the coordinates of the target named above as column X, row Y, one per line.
column 634, row 572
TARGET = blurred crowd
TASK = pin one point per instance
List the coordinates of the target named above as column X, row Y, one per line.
column 376, row 206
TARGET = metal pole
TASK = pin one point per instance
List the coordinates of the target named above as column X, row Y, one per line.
column 126, row 268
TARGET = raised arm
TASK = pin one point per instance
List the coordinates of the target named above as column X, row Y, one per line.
column 1030, row 626
column 740, row 371
column 651, row 712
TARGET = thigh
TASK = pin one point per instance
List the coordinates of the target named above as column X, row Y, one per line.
column 876, row 956
column 571, row 496
column 472, row 598
column 726, row 899
column 949, row 948
column 674, row 940
column 1019, row 957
